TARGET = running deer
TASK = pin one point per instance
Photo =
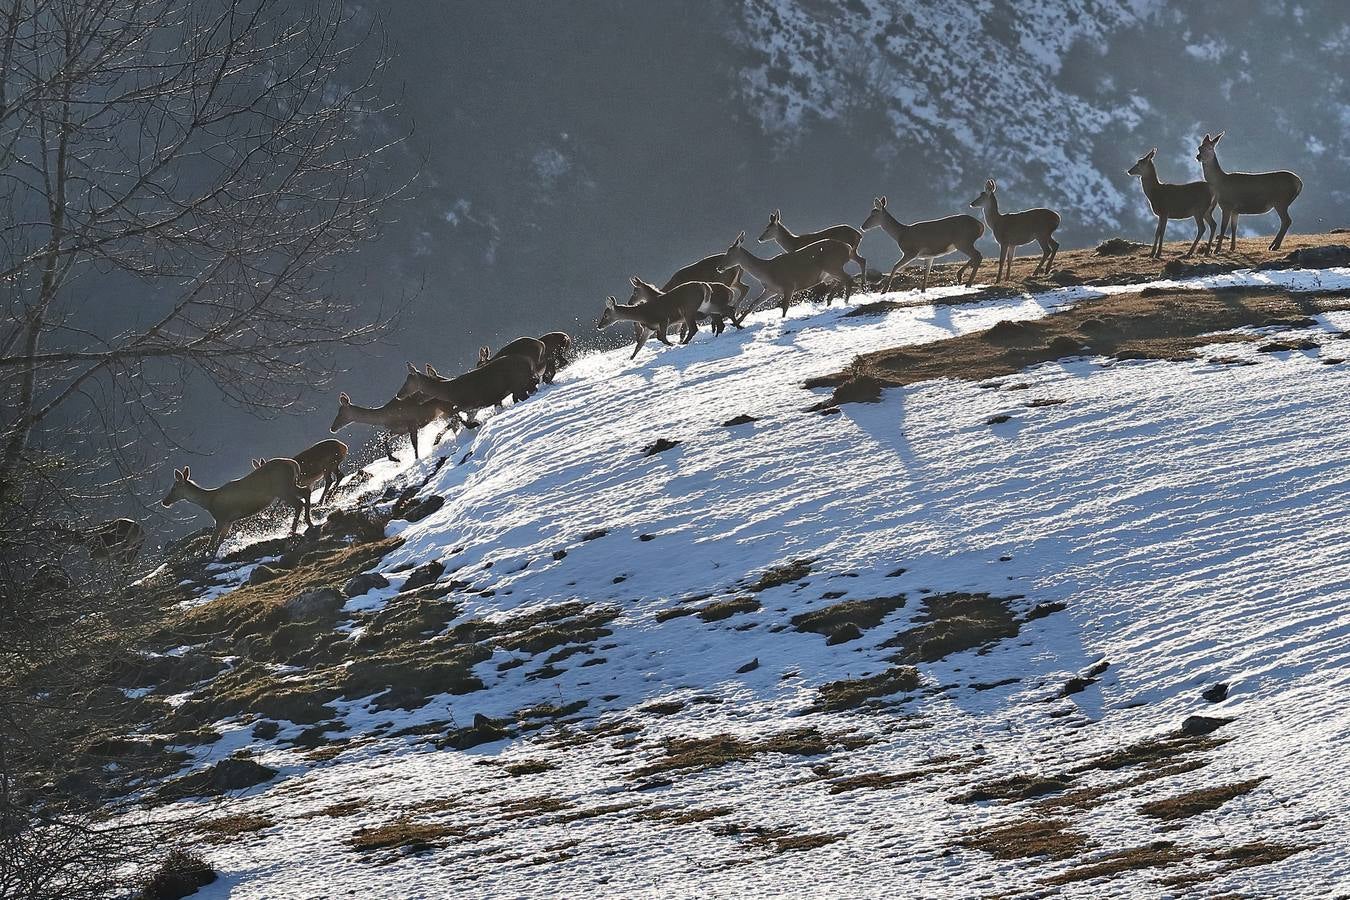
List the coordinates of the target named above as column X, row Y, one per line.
column 708, row 269
column 1247, row 193
column 929, row 240
column 1193, row 200
column 720, row 305
column 276, row 479
column 489, row 385
column 796, row 270
column 532, row 349
column 410, row 414
column 680, row 304
column 777, row 231
column 1012, row 230
column 321, row 462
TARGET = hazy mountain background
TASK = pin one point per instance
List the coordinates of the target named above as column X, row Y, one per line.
column 561, row 147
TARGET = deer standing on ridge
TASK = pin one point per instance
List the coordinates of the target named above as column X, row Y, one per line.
column 1012, row 230
column 777, row 231
column 1247, row 193
column 796, row 270
column 1193, row 200
column 929, row 240
column 276, row 479
column 680, row 304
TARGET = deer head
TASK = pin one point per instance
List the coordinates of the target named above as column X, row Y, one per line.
column 484, row 355
column 1205, row 153
column 414, row 382
column 987, row 195
column 181, row 480
column 775, row 225
column 344, row 414
column 610, row 315
column 1144, row 164
column 878, row 214
column 642, row 290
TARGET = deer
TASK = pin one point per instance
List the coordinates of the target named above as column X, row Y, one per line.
column 928, row 240
column 680, row 304
column 532, row 349
column 276, row 479
column 116, row 540
column 1012, row 230
column 720, row 305
column 410, row 414
column 489, row 385
column 321, row 462
column 1193, row 200
column 708, row 269
column 793, row 271
column 777, row 231
column 1247, row 193
column 557, row 344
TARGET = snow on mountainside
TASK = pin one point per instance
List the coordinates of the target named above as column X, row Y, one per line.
column 893, row 650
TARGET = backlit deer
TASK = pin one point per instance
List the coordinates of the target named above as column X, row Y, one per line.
column 797, row 270
column 118, row 540
column 929, row 240
column 1247, row 193
column 557, row 344
column 777, row 231
column 680, row 304
column 1193, row 200
column 490, row 385
column 276, row 479
column 710, row 269
column 720, row 305
column 321, row 462
column 1012, row 230
column 399, row 415
column 532, row 349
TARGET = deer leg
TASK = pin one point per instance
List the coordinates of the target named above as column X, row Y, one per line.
column 905, row 259
column 642, row 336
column 389, row 446
column 1199, row 233
column 412, row 435
column 862, row 266
column 222, row 528
column 1232, row 234
column 1209, row 219
column 1285, row 222
column 1159, row 235
column 926, row 269
column 689, row 329
column 976, row 257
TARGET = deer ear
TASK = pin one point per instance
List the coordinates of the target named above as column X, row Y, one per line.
column 431, row 370
column 610, row 301
column 635, row 281
column 883, row 201
column 777, row 214
column 990, row 186
column 1206, row 139
column 343, row 399
column 1152, row 153
column 740, row 237
column 1219, row 135
column 177, row 474
column 187, row 472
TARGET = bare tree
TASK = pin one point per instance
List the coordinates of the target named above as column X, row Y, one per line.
column 177, row 180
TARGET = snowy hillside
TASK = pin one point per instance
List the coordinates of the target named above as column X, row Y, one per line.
column 890, row 649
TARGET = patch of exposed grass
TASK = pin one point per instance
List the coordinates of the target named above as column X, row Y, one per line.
column 876, row 781
column 1192, row 803
column 405, row 835
column 528, row 767
column 530, row 807
column 1016, row 787
column 954, row 622
column 1256, row 853
column 1153, row 753
column 181, row 873
column 725, row 609
column 786, row 573
column 859, row 615
column 1028, row 837
column 1152, row 856
column 340, row 809
column 689, row 754
column 853, row 693
column 223, row 829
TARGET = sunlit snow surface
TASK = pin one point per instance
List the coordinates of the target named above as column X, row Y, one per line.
column 1190, row 515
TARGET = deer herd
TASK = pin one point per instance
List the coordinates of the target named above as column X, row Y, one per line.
column 713, row 289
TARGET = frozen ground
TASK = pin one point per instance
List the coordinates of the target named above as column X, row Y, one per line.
column 1190, row 517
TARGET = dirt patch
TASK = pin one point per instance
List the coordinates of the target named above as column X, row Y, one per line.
column 1165, row 324
column 955, row 622
column 877, row 781
column 853, row 693
column 528, row 767
column 725, row 609
column 695, row 754
column 1016, row 787
column 1192, row 803
column 850, row 617
column 1153, row 753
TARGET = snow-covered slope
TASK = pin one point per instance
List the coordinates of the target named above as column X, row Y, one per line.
column 1158, row 528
